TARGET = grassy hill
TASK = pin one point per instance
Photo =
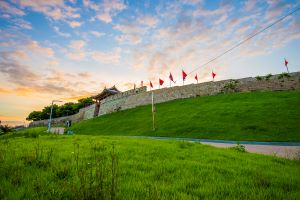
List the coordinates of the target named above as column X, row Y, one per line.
column 256, row 116
column 98, row 167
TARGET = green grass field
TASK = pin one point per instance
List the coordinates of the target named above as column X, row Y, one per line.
column 256, row 116
column 102, row 167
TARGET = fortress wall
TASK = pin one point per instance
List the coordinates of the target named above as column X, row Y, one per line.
column 88, row 112
column 203, row 89
column 140, row 96
column 115, row 102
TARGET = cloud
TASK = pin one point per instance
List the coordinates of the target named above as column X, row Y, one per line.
column 191, row 40
column 107, row 57
column 22, row 24
column 60, row 33
column 132, row 39
column 36, row 48
column 55, row 9
column 97, row 33
column 76, row 55
column 84, row 74
column 250, row 4
column 148, row 20
column 106, row 9
column 10, row 9
column 276, row 8
column 77, row 44
column 17, row 73
column 133, row 32
column 75, row 24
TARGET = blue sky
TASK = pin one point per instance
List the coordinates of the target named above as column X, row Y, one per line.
column 70, row 49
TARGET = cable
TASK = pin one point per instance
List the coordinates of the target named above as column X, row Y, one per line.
column 245, row 40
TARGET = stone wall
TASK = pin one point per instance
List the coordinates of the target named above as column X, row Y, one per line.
column 272, row 83
column 140, row 96
column 88, row 112
column 115, row 102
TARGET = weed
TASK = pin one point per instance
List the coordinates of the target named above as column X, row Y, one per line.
column 239, row 147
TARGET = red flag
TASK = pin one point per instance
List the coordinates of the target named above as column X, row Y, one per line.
column 183, row 75
column 196, row 77
column 286, row 62
column 213, row 74
column 171, row 77
column 151, row 84
column 161, row 82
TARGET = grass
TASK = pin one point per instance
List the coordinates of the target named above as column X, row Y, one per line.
column 255, row 116
column 101, row 167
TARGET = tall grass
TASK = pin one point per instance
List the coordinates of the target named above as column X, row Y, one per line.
column 97, row 167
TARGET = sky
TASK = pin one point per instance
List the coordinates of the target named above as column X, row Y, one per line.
column 71, row 49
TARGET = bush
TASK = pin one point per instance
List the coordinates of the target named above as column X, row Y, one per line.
column 283, row 75
column 239, row 147
column 230, row 86
column 259, row 78
column 268, row 77
column 5, row 129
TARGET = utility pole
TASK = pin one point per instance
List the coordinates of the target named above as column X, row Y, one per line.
column 50, row 119
column 153, row 112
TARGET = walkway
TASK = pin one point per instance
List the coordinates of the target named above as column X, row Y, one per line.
column 289, row 150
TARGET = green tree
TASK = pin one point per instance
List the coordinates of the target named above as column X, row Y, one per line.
column 47, row 110
column 85, row 102
column 69, row 108
column 34, row 116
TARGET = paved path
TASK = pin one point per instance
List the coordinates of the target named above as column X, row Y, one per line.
column 277, row 150
column 282, row 149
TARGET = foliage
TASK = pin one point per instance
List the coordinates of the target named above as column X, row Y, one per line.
column 235, row 116
column 4, row 129
column 35, row 116
column 239, row 147
column 95, row 167
column 268, row 77
column 230, row 86
column 66, row 109
column 284, row 75
column 259, row 78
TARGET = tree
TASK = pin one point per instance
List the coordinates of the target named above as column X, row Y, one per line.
column 69, row 108
column 34, row 116
column 47, row 110
column 66, row 109
column 85, row 102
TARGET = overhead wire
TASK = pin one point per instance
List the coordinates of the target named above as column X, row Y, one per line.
column 245, row 40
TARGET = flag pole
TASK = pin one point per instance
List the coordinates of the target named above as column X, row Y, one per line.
column 286, row 65
column 153, row 113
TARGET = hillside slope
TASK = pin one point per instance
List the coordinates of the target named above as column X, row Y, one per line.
column 257, row 116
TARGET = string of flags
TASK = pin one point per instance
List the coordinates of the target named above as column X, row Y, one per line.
column 184, row 76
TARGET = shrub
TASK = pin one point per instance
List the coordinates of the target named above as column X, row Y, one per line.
column 5, row 129
column 268, row 77
column 259, row 78
column 239, row 147
column 230, row 86
column 281, row 76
